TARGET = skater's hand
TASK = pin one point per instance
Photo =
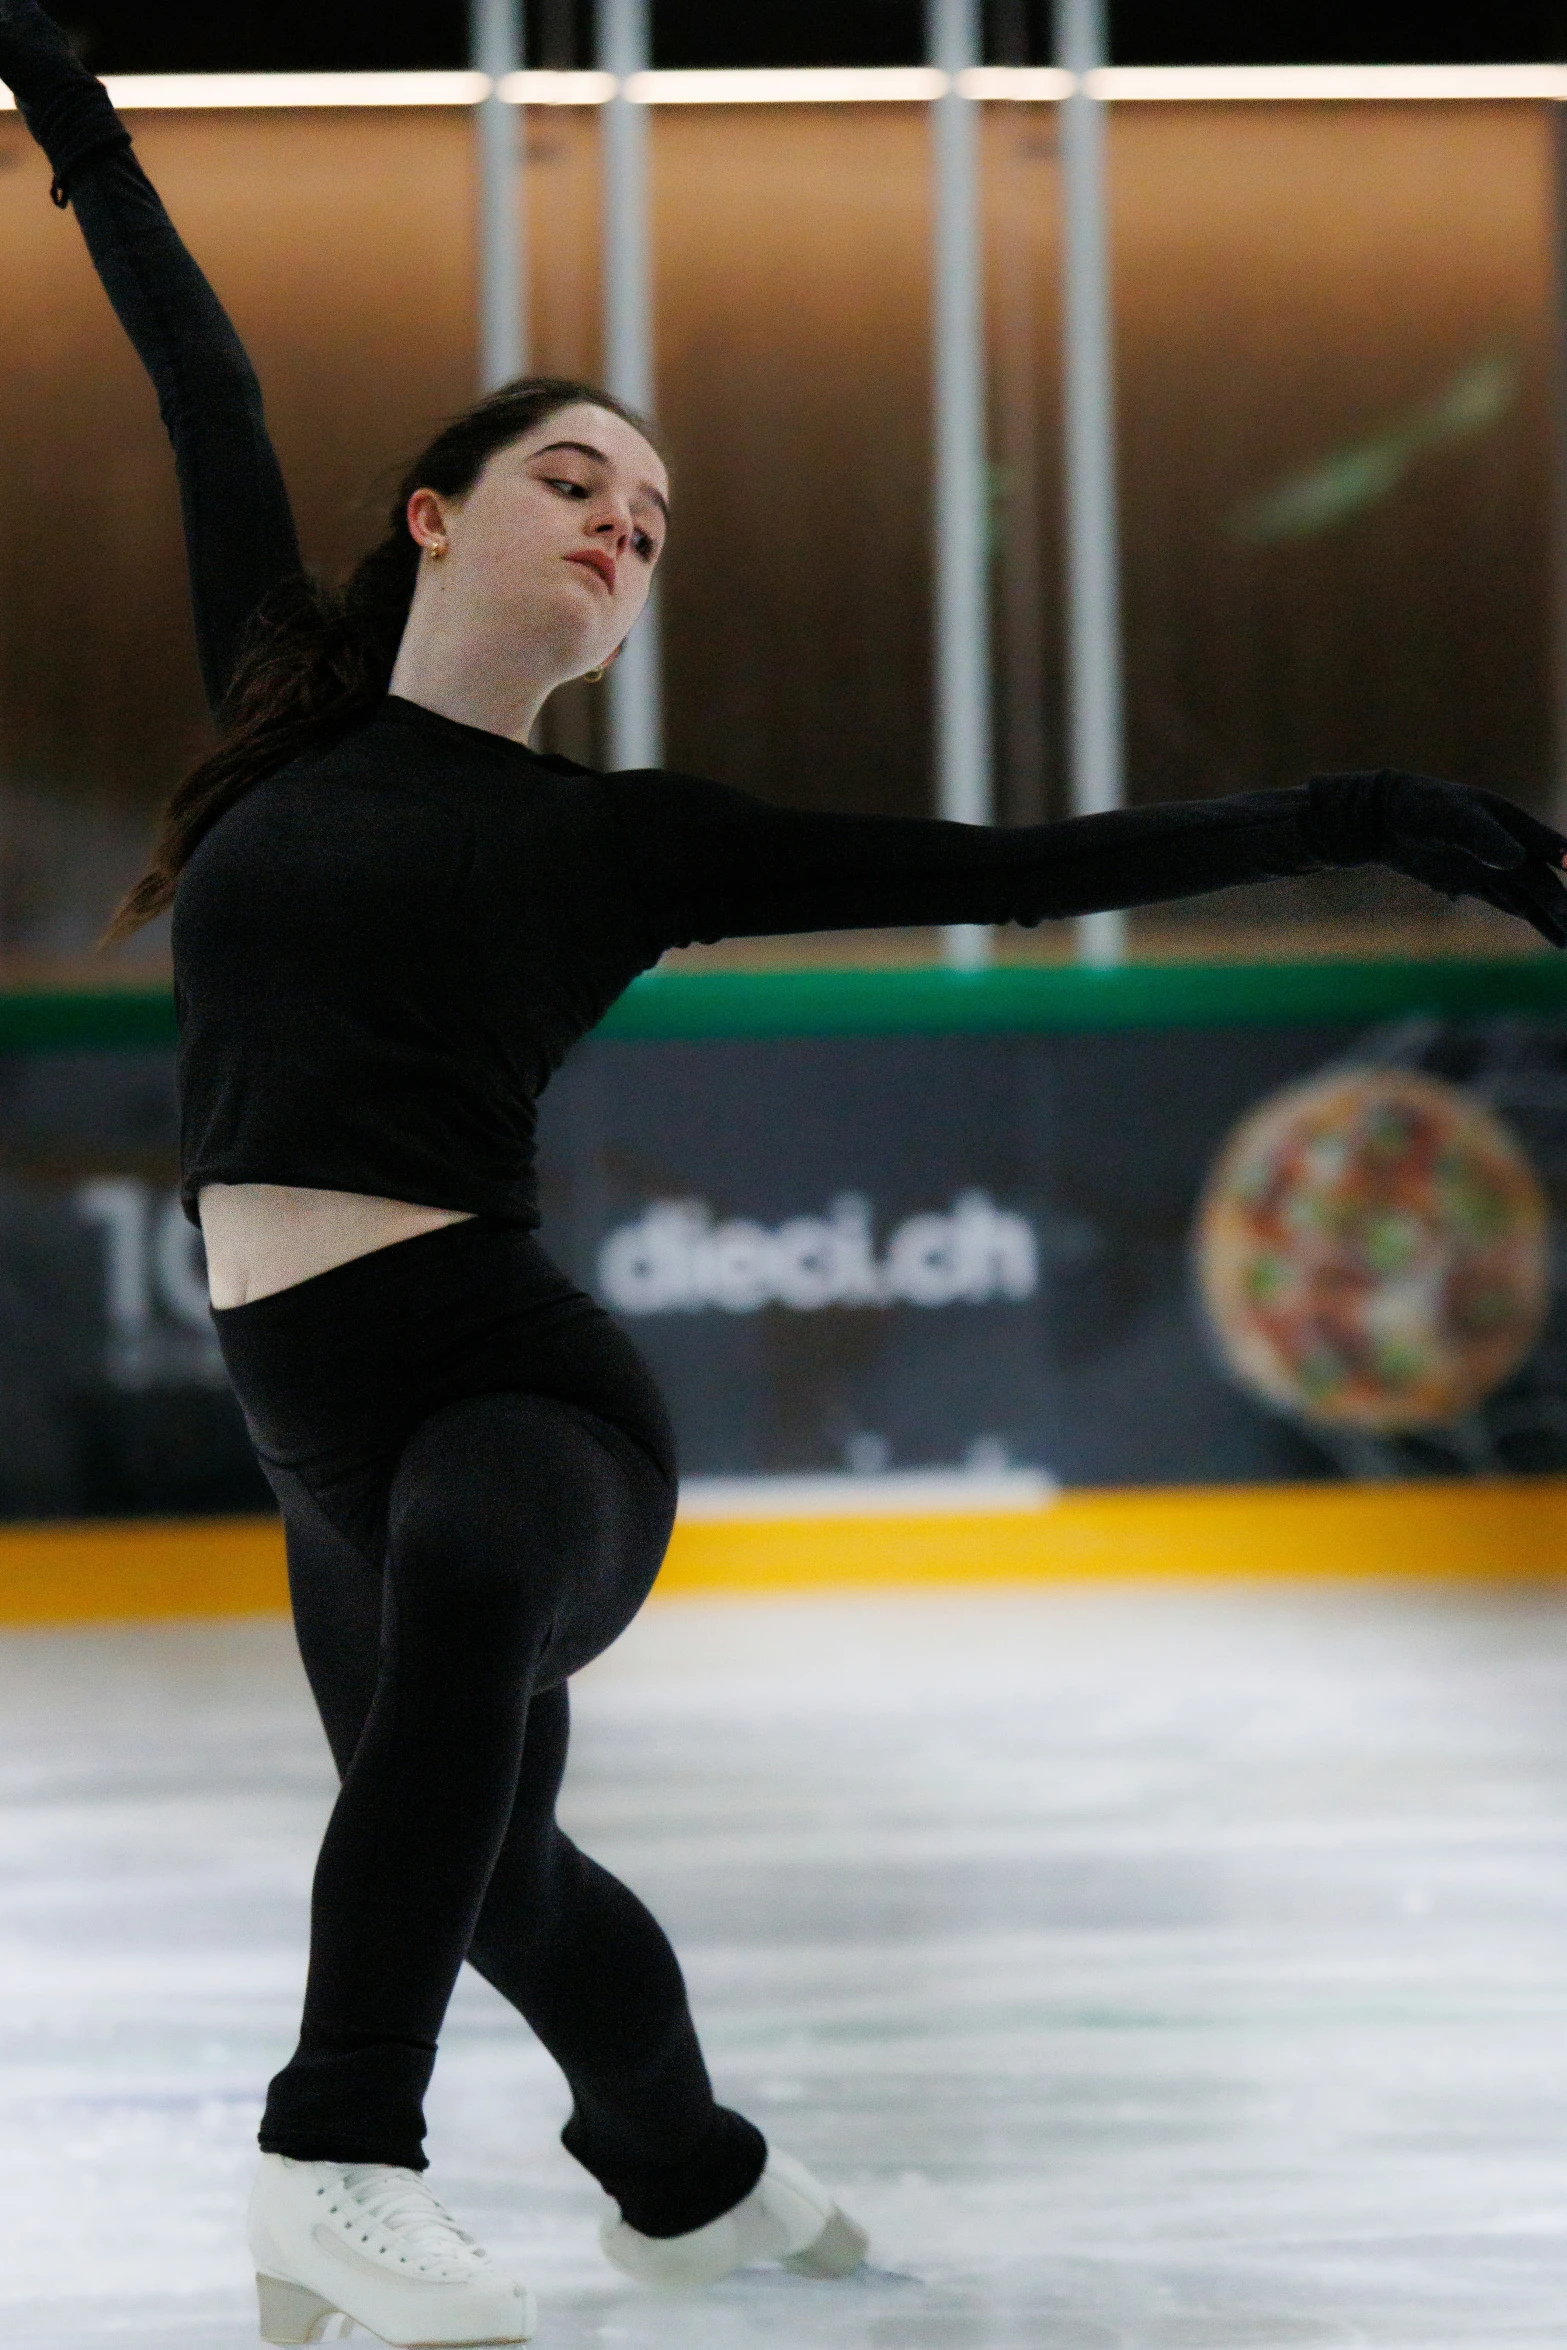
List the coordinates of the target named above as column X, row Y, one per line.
column 65, row 108
column 1464, row 842
column 32, row 45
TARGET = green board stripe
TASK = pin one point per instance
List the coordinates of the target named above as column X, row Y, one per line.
column 128, row 1020
column 1021, row 1000
column 1014, row 1000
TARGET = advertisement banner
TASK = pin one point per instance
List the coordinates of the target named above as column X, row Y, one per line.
column 1113, row 1256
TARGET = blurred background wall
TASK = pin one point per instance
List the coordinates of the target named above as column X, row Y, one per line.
column 1336, row 333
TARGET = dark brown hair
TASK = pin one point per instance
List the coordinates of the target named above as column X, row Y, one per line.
column 319, row 659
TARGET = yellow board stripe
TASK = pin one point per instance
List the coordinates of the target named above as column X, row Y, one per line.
column 78, row 1572
column 1485, row 1530
column 1491, row 1530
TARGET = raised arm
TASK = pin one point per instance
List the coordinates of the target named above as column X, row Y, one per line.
column 718, row 864
column 239, row 533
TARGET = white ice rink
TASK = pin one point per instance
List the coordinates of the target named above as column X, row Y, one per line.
column 1149, row 1971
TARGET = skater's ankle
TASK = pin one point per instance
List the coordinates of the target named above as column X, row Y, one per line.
column 670, row 2199
column 330, row 2146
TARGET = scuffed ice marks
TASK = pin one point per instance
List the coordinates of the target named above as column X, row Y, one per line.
column 1292, row 2109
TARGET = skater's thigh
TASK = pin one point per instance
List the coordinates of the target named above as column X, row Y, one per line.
column 336, row 1596
column 517, row 1518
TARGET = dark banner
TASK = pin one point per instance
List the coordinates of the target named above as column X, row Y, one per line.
column 1135, row 1256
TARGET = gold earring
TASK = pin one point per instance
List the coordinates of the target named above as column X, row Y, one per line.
column 592, row 676
column 435, row 549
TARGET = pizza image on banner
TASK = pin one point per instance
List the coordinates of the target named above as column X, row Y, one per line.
column 1372, row 1250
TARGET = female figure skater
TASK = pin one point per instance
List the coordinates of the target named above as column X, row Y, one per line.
column 391, row 919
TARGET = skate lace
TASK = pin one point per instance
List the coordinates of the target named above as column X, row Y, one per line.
column 400, row 2206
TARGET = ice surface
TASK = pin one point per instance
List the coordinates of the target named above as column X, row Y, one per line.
column 1148, row 1970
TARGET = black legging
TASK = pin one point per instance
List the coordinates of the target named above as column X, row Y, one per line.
column 477, row 1481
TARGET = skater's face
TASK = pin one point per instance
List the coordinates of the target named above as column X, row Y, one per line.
column 552, row 550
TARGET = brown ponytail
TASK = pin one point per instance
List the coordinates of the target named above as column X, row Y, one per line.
column 319, row 659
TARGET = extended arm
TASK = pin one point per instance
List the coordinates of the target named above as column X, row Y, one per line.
column 723, row 865
column 239, row 533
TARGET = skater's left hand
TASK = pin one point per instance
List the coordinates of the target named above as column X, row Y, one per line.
column 1464, row 842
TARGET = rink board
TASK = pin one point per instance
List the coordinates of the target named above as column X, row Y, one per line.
column 858, row 1223
column 1497, row 1531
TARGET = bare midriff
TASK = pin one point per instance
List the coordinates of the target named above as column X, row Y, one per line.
column 263, row 1237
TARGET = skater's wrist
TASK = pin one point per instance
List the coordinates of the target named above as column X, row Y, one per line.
column 72, row 124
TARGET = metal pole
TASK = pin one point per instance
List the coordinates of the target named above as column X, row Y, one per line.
column 1097, row 748
column 495, row 45
column 624, row 48
column 963, row 746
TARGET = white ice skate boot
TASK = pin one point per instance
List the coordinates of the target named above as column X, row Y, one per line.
column 368, row 2241
column 788, row 2217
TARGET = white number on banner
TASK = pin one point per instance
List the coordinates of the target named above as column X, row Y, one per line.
column 156, row 1310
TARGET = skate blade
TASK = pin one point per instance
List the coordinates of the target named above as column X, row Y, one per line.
column 837, row 2252
column 292, row 2314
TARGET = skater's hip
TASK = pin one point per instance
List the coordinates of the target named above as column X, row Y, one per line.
column 346, row 1364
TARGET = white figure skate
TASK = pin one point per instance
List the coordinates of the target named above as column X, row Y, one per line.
column 368, row 2241
column 788, row 2217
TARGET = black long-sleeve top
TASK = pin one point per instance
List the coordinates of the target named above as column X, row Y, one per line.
column 384, row 950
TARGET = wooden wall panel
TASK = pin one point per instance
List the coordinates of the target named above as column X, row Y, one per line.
column 1368, row 288
column 1300, row 293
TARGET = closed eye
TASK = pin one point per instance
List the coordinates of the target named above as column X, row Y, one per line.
column 571, row 489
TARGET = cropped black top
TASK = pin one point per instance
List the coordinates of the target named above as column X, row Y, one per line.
column 382, row 952
column 384, row 949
